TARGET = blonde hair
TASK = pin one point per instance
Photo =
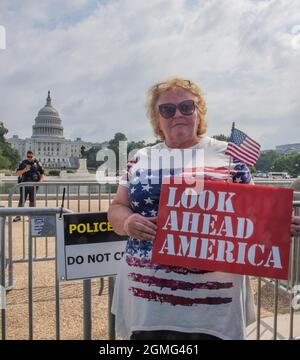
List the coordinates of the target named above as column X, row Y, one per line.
column 156, row 90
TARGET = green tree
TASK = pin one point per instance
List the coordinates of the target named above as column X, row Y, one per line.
column 288, row 163
column 221, row 137
column 132, row 145
column 4, row 162
column 90, row 155
column 266, row 160
column 113, row 144
column 3, row 131
column 155, row 143
column 9, row 157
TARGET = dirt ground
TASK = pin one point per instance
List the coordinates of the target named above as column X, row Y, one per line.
column 71, row 305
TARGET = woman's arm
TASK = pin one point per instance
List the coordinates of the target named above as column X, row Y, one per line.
column 125, row 222
column 119, row 210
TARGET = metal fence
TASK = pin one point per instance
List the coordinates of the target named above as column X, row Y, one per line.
column 79, row 197
column 83, row 196
column 290, row 287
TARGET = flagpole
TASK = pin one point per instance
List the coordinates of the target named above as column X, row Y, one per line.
column 230, row 157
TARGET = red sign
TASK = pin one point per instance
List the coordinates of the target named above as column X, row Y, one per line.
column 235, row 228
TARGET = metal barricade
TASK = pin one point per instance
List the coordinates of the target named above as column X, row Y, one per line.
column 80, row 196
column 290, row 288
column 74, row 199
column 8, row 212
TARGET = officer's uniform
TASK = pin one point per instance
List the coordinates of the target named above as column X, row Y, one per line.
column 33, row 175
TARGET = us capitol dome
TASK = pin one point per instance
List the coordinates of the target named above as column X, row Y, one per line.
column 48, row 143
column 47, row 123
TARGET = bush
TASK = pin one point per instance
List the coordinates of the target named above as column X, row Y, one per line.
column 54, row 172
column 4, row 162
column 70, row 171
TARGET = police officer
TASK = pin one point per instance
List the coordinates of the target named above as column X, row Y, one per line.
column 29, row 170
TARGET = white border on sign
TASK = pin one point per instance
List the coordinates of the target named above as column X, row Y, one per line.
column 60, row 246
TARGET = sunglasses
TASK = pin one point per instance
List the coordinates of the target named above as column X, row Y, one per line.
column 186, row 107
column 29, row 157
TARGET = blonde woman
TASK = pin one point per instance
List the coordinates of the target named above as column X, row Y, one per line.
column 152, row 301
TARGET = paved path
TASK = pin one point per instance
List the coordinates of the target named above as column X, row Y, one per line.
column 283, row 328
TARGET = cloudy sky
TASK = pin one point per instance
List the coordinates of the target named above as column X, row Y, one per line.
column 99, row 57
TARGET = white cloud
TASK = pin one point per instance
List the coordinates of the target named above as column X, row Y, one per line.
column 99, row 58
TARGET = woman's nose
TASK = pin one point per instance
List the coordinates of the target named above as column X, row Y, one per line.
column 177, row 112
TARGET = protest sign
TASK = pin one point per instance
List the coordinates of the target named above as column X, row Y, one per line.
column 225, row 227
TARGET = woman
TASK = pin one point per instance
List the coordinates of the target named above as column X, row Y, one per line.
column 152, row 301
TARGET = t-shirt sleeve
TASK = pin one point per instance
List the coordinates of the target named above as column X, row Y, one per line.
column 241, row 173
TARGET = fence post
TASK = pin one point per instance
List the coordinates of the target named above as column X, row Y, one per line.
column 293, row 271
column 30, row 283
column 57, row 291
column 87, row 314
column 275, row 310
column 10, row 255
column 258, row 309
column 111, row 317
column 3, row 289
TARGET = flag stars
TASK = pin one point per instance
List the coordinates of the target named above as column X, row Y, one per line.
column 143, row 213
column 132, row 190
column 135, row 203
column 146, row 187
column 148, row 201
column 153, row 212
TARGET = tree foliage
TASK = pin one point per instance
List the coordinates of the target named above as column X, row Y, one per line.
column 266, row 160
column 289, row 163
column 272, row 161
column 9, row 157
column 221, row 137
column 113, row 144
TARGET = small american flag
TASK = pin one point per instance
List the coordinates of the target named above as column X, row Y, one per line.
column 242, row 147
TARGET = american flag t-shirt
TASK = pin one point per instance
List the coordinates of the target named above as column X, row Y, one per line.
column 242, row 147
column 160, row 297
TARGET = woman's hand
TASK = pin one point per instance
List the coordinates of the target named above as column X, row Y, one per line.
column 295, row 226
column 141, row 227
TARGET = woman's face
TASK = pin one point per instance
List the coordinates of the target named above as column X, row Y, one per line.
column 180, row 130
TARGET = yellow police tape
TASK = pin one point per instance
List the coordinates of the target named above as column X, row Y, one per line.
column 90, row 227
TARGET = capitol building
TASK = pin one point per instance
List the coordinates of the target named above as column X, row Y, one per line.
column 48, row 143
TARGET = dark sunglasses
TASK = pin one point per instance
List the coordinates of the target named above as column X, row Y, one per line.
column 29, row 157
column 186, row 107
